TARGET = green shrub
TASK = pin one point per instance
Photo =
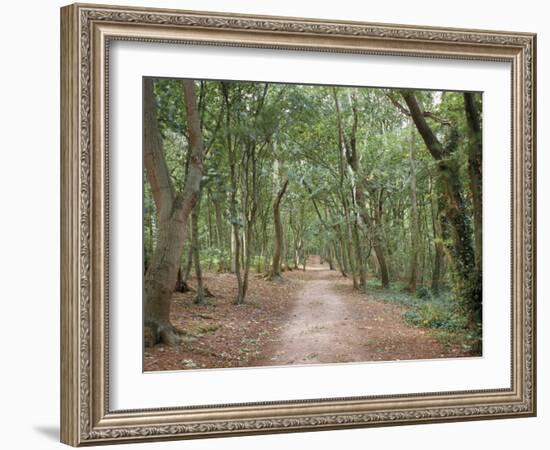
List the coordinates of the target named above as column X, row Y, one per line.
column 435, row 314
column 423, row 309
column 423, row 293
column 215, row 259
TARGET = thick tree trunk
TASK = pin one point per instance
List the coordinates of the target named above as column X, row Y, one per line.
column 330, row 258
column 382, row 264
column 183, row 276
column 473, row 118
column 173, row 213
column 467, row 277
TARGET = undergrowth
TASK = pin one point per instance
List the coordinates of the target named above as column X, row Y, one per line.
column 424, row 309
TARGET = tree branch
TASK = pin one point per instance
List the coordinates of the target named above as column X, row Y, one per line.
column 406, row 112
column 434, row 146
column 153, row 154
column 192, row 184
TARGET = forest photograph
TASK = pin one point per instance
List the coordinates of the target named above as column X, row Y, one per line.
column 293, row 224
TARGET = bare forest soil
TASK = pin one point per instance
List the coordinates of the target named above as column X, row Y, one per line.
column 310, row 317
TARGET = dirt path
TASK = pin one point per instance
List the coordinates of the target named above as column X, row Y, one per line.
column 329, row 323
column 311, row 317
column 319, row 327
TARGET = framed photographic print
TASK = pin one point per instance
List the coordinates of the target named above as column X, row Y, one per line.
column 274, row 224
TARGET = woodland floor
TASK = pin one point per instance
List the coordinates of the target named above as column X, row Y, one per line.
column 308, row 317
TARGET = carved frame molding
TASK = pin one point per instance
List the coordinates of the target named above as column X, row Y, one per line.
column 86, row 31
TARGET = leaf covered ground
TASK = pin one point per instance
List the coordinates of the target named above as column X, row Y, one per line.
column 309, row 317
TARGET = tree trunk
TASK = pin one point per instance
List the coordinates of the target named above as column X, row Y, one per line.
column 220, row 234
column 382, row 264
column 183, row 276
column 209, row 222
column 330, row 258
column 415, row 235
column 233, row 249
column 247, row 258
column 439, row 252
column 474, row 169
column 237, row 261
column 195, row 244
column 348, row 153
column 351, row 249
column 377, row 243
column 173, row 213
column 467, row 277
column 361, row 263
column 278, row 241
column 235, row 218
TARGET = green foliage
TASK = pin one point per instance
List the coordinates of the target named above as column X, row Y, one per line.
column 423, row 293
column 436, row 314
column 439, row 313
column 215, row 258
column 258, row 134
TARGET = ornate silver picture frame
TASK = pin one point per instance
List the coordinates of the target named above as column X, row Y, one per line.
column 87, row 416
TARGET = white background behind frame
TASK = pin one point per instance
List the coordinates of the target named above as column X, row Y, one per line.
column 132, row 389
column 30, row 358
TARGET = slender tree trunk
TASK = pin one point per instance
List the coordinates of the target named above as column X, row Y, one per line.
column 233, row 249
column 351, row 249
column 377, row 244
column 348, row 153
column 284, row 247
column 235, row 237
column 415, row 235
column 237, row 260
column 220, row 237
column 344, row 252
column 233, row 172
column 278, row 241
column 439, row 252
column 195, row 244
column 361, row 263
column 248, row 251
column 209, row 221
column 220, row 232
column 173, row 213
